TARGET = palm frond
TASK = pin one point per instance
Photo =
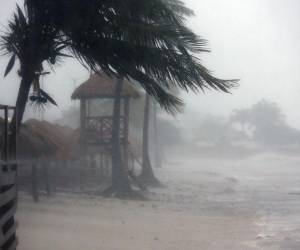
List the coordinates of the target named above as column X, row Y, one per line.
column 31, row 41
column 147, row 41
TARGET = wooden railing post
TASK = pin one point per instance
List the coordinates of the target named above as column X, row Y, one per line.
column 34, row 182
column 47, row 179
column 8, row 187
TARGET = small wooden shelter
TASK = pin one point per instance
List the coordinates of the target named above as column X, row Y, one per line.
column 96, row 97
column 44, row 140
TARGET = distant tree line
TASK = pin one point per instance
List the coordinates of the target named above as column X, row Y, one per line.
column 263, row 123
column 267, row 124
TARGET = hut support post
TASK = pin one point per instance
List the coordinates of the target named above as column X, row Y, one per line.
column 126, row 132
column 101, row 165
column 132, row 163
column 34, row 182
column 83, row 114
column 107, row 166
column 47, row 179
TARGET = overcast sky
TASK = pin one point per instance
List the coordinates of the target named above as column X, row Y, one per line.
column 257, row 41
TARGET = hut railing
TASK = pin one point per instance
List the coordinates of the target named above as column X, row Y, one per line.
column 99, row 129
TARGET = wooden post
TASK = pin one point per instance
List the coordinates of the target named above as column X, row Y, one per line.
column 34, row 182
column 88, row 108
column 101, row 164
column 6, row 134
column 83, row 114
column 126, row 132
column 107, row 166
column 47, row 179
column 83, row 123
column 132, row 163
column 8, row 195
column 13, row 148
column 80, row 177
column 83, row 118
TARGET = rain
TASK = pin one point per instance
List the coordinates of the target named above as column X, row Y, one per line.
column 138, row 125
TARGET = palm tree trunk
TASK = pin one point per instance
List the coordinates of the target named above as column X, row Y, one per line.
column 147, row 175
column 14, row 129
column 157, row 153
column 21, row 102
column 120, row 182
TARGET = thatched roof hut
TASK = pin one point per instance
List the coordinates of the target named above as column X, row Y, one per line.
column 31, row 145
column 102, row 86
column 43, row 139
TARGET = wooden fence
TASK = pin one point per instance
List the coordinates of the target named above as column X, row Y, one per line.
column 8, row 186
column 46, row 177
column 8, row 194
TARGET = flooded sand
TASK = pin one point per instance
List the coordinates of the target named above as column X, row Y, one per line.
column 250, row 203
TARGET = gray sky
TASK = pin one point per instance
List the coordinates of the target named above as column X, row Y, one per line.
column 257, row 41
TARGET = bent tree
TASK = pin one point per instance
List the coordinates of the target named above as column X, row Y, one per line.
column 147, row 41
column 147, row 175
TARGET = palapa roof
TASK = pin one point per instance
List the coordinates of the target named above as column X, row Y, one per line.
column 102, row 86
column 43, row 139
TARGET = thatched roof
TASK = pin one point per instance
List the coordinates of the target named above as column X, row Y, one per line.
column 102, row 86
column 30, row 144
column 43, row 139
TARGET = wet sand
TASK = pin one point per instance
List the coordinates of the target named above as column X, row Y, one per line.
column 241, row 204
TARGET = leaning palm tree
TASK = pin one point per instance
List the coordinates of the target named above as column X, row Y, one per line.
column 32, row 43
column 143, row 40
column 207, row 81
column 147, row 175
column 157, row 147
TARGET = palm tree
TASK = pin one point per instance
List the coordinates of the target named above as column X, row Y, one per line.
column 143, row 40
column 147, row 172
column 157, row 146
column 147, row 175
column 32, row 43
column 120, row 182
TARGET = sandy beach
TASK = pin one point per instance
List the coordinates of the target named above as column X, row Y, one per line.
column 224, row 204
